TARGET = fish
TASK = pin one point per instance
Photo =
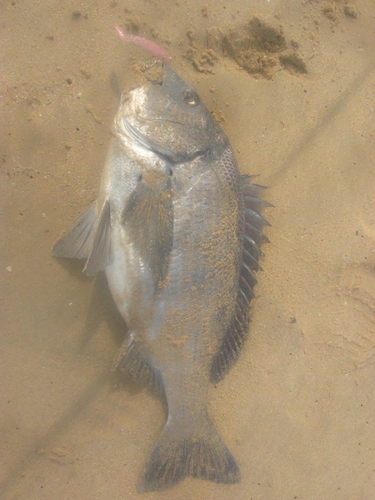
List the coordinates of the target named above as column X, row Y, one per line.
column 177, row 230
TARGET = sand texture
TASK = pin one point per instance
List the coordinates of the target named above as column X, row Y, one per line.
column 292, row 84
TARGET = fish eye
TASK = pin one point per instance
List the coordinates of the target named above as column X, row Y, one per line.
column 190, row 97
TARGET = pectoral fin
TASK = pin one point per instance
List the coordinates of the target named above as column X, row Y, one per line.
column 77, row 242
column 148, row 220
column 88, row 238
column 100, row 255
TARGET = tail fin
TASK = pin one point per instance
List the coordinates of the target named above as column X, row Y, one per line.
column 176, row 456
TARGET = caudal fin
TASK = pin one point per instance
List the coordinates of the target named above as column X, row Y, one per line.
column 203, row 456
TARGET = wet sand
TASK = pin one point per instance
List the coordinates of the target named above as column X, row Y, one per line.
column 292, row 84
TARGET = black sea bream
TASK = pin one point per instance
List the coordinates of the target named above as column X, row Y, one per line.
column 177, row 231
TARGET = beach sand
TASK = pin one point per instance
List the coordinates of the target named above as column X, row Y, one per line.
column 292, row 84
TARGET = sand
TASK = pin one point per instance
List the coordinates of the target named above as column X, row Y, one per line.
column 292, row 84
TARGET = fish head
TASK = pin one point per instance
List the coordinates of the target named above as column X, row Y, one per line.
column 167, row 116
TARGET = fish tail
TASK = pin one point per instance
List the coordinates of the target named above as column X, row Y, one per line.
column 177, row 455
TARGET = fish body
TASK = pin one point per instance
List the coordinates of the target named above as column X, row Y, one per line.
column 177, row 231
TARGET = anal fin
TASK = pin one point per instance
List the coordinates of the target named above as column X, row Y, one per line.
column 132, row 358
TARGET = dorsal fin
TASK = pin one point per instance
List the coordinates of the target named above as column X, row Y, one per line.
column 253, row 237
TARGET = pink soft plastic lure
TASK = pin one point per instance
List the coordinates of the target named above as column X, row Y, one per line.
column 152, row 47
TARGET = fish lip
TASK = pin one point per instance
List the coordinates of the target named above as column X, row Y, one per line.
column 163, row 120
